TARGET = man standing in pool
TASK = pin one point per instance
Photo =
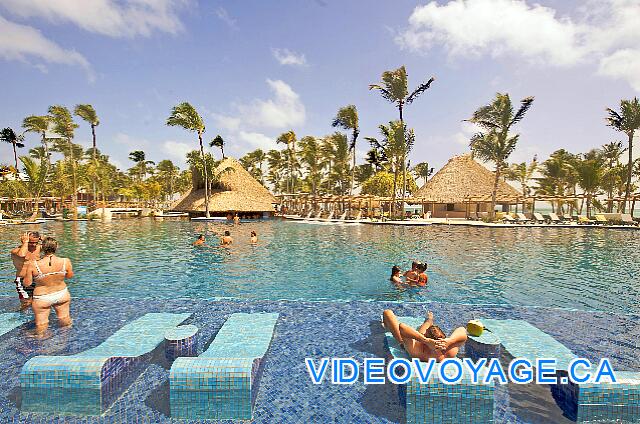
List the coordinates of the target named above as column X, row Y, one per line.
column 226, row 240
column 29, row 250
column 411, row 276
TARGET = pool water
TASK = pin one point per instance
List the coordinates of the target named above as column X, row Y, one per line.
column 570, row 268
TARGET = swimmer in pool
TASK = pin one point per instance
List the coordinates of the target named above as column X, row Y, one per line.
column 428, row 341
column 200, row 241
column 423, row 278
column 411, row 276
column 395, row 275
column 226, row 240
column 254, row 237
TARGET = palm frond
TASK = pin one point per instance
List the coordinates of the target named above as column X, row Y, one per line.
column 525, row 105
column 421, row 89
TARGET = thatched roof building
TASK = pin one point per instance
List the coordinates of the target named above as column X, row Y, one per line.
column 237, row 191
column 463, row 182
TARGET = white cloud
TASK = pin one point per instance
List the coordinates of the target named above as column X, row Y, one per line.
column 495, row 27
column 283, row 111
column 257, row 140
column 463, row 136
column 223, row 15
column 287, row 57
column 602, row 33
column 623, row 64
column 131, row 141
column 24, row 43
column 177, row 150
column 125, row 18
column 226, row 122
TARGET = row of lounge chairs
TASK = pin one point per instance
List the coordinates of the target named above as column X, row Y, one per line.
column 221, row 383
column 552, row 218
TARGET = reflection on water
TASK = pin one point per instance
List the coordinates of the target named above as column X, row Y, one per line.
column 569, row 268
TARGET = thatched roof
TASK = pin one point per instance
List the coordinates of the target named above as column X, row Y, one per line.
column 238, row 191
column 463, row 178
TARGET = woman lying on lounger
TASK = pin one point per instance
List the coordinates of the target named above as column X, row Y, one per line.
column 429, row 341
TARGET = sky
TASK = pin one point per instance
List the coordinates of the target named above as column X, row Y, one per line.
column 255, row 69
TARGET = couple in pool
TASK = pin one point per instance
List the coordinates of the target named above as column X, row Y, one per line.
column 40, row 279
column 416, row 276
column 428, row 341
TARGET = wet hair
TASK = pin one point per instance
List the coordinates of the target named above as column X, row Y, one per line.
column 254, row 234
column 201, row 237
column 422, row 267
column 395, row 270
column 434, row 332
column 227, row 233
column 49, row 246
column 34, row 234
column 415, row 264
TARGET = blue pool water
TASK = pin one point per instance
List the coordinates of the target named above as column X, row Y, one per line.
column 571, row 268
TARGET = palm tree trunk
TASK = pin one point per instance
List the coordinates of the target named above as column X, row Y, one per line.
column 492, row 212
column 630, row 165
column 74, row 183
column 95, row 163
column 392, row 209
column 404, row 160
column 353, row 171
column 15, row 155
column 206, row 176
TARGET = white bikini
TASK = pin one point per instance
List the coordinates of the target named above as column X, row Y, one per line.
column 54, row 298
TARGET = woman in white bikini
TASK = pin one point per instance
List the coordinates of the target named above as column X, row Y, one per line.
column 49, row 274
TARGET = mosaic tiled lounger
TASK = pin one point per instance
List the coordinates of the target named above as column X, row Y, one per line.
column 11, row 320
column 88, row 382
column 581, row 402
column 436, row 402
column 223, row 381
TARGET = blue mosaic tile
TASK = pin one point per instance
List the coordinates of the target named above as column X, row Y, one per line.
column 11, row 320
column 222, row 382
column 305, row 329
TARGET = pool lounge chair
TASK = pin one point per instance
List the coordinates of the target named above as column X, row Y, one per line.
column 522, row 218
column 604, row 402
column 583, row 220
column 436, row 402
column 538, row 218
column 87, row 383
column 627, row 219
column 508, row 219
column 11, row 320
column 554, row 218
column 222, row 383
column 601, row 219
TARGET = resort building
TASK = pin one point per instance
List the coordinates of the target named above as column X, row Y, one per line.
column 235, row 192
column 463, row 188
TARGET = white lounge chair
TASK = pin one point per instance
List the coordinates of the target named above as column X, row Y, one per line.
column 554, row 218
column 522, row 218
column 538, row 218
column 627, row 219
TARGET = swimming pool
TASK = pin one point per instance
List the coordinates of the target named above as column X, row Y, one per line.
column 581, row 268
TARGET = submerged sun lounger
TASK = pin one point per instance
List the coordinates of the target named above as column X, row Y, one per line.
column 87, row 383
column 583, row 403
column 11, row 320
column 222, row 383
column 436, row 402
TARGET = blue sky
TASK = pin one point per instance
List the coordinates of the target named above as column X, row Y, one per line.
column 255, row 69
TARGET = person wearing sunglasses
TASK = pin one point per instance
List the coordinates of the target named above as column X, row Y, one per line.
column 29, row 250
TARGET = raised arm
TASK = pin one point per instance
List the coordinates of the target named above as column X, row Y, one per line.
column 69, row 268
column 24, row 247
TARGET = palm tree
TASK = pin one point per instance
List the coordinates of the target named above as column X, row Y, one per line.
column 87, row 113
column 588, row 170
column 218, row 142
column 614, row 174
column 522, row 173
column 277, row 165
column 422, row 170
column 311, row 158
column 36, row 172
column 347, row 118
column 9, row 136
column 496, row 144
column 168, row 173
column 184, row 115
column 40, row 125
column 289, row 139
column 65, row 128
column 139, row 157
column 394, row 88
column 626, row 121
column 558, row 176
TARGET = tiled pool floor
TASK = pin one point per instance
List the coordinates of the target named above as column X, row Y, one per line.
column 305, row 329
